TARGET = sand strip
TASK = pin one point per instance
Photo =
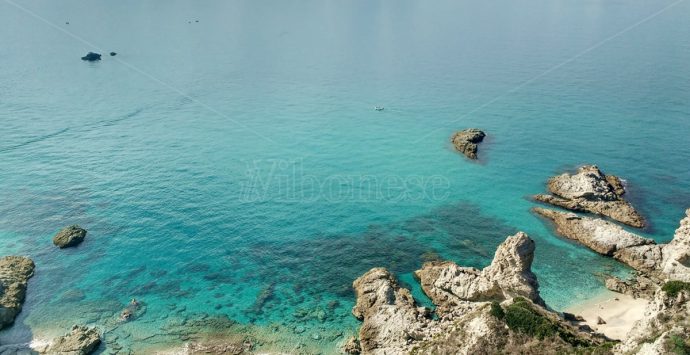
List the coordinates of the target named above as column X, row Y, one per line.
column 619, row 312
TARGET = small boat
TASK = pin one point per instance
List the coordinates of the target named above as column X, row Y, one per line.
column 378, row 108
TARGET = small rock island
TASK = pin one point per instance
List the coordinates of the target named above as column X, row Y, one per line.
column 69, row 236
column 91, row 57
column 466, row 141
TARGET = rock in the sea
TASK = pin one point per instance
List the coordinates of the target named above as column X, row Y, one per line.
column 15, row 272
column 80, row 340
column 91, row 57
column 606, row 238
column 590, row 190
column 509, row 275
column 69, row 236
column 661, row 261
column 389, row 313
column 466, row 141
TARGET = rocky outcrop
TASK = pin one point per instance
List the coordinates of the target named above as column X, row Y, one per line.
column 675, row 262
column 506, row 328
column 80, row 340
column 664, row 329
column 641, row 286
column 480, row 311
column 509, row 275
column 351, row 346
column 590, row 190
column 660, row 261
column 69, row 236
column 601, row 236
column 15, row 272
column 466, row 141
column 390, row 315
column 91, row 57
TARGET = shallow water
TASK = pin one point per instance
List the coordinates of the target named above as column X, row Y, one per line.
column 235, row 166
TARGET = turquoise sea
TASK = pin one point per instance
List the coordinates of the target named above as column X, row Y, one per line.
column 228, row 161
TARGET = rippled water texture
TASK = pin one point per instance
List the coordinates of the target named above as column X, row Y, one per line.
column 232, row 171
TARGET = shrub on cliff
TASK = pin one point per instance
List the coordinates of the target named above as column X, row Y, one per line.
column 521, row 316
column 497, row 310
column 673, row 288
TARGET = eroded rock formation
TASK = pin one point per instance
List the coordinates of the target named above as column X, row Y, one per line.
column 466, row 141
column 590, row 190
column 509, row 275
column 15, row 272
column 480, row 311
column 389, row 313
column 80, row 340
column 661, row 261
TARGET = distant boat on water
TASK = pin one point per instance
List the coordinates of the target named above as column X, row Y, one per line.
column 378, row 108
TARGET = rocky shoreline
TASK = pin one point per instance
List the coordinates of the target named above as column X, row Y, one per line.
column 590, row 190
column 15, row 272
column 494, row 310
column 497, row 309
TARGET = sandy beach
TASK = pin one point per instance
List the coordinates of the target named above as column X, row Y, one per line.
column 619, row 312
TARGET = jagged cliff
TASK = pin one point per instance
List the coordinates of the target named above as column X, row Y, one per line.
column 497, row 309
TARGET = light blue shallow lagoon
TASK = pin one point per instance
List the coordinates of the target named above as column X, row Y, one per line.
column 234, row 176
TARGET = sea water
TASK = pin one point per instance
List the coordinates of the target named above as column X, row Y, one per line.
column 228, row 162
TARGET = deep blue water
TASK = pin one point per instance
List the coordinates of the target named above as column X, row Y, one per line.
column 235, row 165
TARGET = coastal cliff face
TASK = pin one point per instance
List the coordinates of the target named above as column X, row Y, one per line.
column 497, row 309
column 391, row 319
column 675, row 261
column 509, row 275
column 665, row 327
column 590, row 190
column 15, row 272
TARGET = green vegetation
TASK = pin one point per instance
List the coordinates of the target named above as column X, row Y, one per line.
column 672, row 288
column 497, row 310
column 680, row 346
column 522, row 317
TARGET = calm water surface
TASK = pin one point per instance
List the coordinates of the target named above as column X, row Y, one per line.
column 235, row 165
